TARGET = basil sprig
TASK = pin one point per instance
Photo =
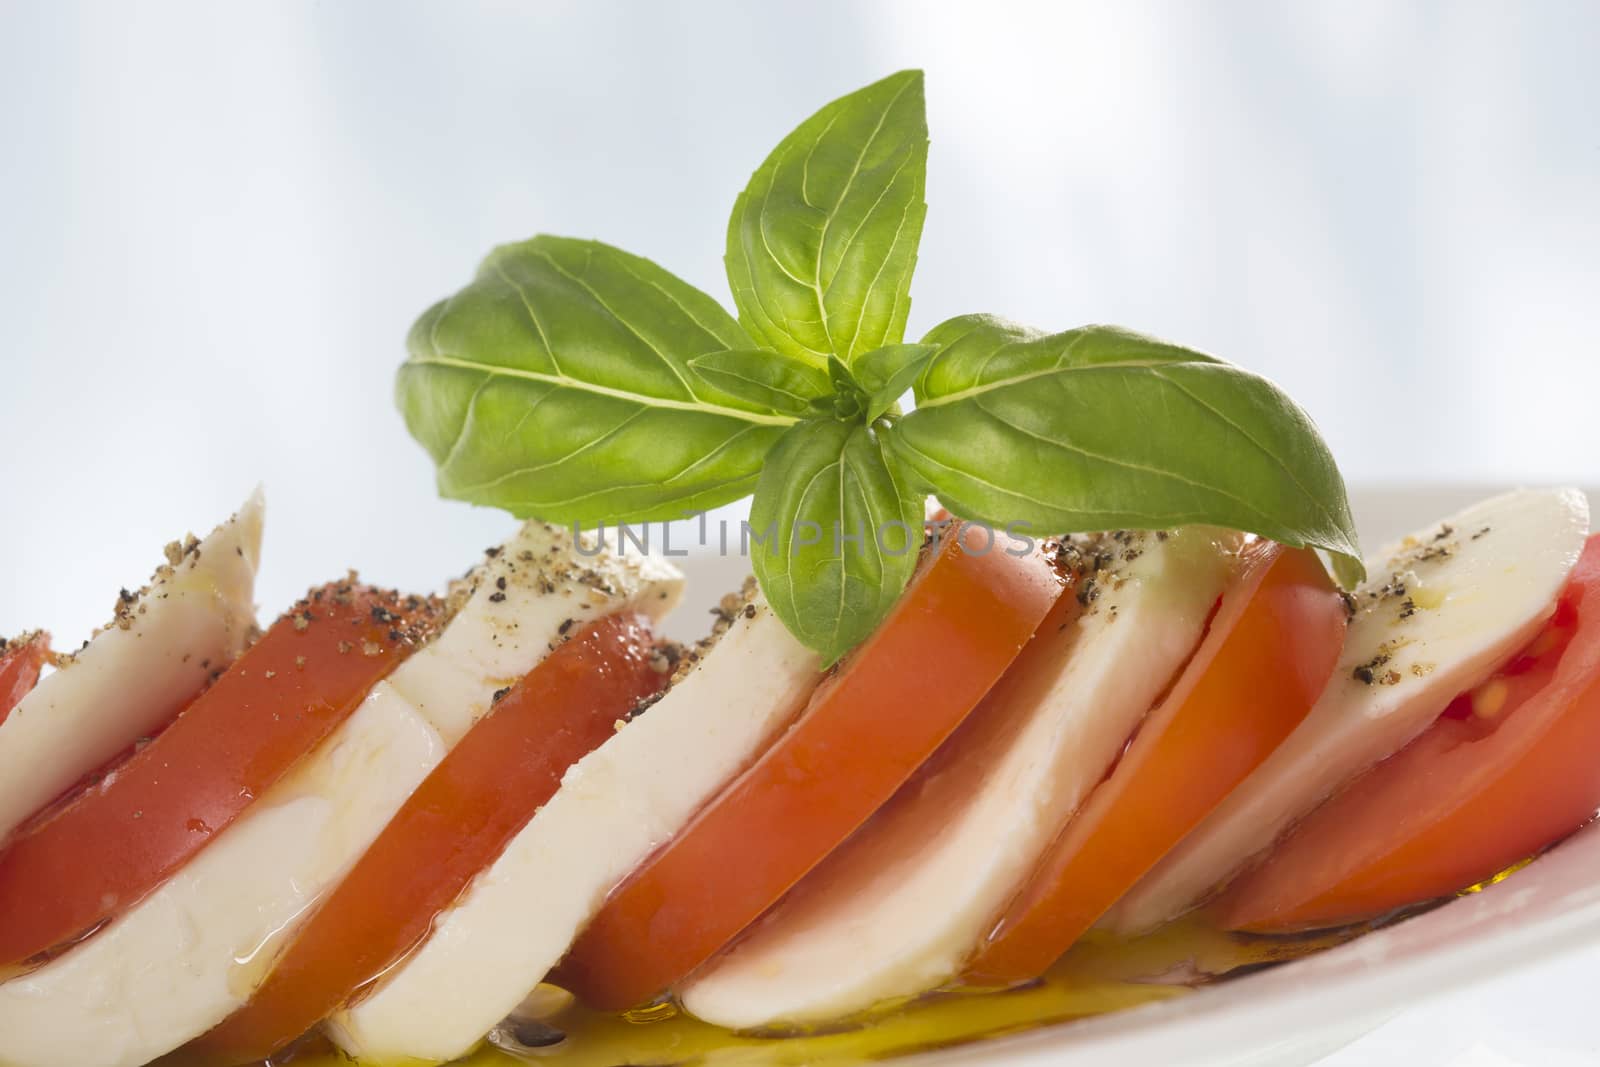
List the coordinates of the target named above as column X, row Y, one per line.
column 574, row 382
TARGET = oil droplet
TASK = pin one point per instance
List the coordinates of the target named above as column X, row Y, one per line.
column 658, row 1012
column 1507, row 873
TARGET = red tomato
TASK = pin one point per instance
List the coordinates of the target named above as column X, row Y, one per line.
column 21, row 659
column 866, row 729
column 96, row 854
column 1265, row 659
column 1509, row 768
column 457, row 822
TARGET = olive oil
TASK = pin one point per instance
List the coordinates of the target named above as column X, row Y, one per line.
column 1101, row 974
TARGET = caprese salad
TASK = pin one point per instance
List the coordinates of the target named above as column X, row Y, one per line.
column 914, row 761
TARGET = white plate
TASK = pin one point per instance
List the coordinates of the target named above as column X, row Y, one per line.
column 1298, row 1012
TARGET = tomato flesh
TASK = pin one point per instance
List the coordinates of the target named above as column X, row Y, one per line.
column 457, row 822
column 961, row 622
column 1268, row 653
column 21, row 660
column 1508, row 769
column 97, row 853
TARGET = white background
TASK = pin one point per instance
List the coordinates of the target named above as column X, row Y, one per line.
column 218, row 220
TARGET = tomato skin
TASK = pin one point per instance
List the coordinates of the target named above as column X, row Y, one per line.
column 96, row 854
column 21, row 659
column 1266, row 657
column 867, row 727
column 1468, row 798
column 457, row 822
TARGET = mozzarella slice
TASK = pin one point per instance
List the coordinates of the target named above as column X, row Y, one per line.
column 614, row 807
column 901, row 907
column 185, row 957
column 1442, row 610
column 194, row 619
column 520, row 603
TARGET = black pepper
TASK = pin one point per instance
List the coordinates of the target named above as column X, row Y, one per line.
column 1367, row 673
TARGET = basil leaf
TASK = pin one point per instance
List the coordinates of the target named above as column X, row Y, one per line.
column 769, row 379
column 886, row 373
column 823, row 240
column 557, row 385
column 839, row 529
column 839, row 374
column 1099, row 428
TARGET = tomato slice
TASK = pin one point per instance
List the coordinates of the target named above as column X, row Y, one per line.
column 21, row 660
column 1509, row 768
column 1268, row 653
column 98, row 853
column 457, row 822
column 957, row 627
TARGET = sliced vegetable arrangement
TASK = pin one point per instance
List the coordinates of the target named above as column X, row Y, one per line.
column 1507, row 766
column 1269, row 649
column 865, row 731
column 1113, row 686
column 458, row 820
column 87, row 860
